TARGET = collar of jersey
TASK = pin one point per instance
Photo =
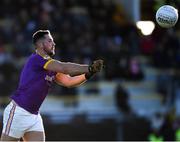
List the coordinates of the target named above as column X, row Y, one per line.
column 46, row 57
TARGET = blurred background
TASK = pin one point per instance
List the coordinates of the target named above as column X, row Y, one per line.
column 136, row 97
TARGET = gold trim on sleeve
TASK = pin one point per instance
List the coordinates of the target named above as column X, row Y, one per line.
column 45, row 65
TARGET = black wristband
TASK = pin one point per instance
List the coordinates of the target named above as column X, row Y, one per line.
column 90, row 69
column 89, row 75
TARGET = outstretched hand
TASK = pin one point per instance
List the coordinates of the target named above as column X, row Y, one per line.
column 96, row 66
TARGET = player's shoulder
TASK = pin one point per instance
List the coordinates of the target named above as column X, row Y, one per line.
column 36, row 57
column 36, row 60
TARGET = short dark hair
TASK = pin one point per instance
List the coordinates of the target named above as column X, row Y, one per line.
column 39, row 35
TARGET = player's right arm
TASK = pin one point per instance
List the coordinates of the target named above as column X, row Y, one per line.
column 73, row 69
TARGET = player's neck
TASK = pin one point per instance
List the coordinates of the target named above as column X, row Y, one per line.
column 42, row 53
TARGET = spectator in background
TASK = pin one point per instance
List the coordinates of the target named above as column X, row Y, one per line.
column 147, row 45
column 166, row 54
column 122, row 100
column 156, row 124
column 167, row 130
column 162, row 128
column 134, row 71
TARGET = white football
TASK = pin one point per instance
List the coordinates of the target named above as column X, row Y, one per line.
column 167, row 16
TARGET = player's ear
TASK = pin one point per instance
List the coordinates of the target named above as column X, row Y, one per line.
column 39, row 43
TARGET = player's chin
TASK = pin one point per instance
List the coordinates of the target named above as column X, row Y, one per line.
column 52, row 53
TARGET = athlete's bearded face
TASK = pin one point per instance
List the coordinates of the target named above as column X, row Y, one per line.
column 48, row 45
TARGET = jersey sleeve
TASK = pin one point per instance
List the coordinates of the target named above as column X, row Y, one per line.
column 41, row 63
column 46, row 64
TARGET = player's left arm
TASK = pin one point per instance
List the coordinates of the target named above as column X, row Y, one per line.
column 68, row 81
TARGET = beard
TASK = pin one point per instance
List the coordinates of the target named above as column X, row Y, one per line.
column 50, row 52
